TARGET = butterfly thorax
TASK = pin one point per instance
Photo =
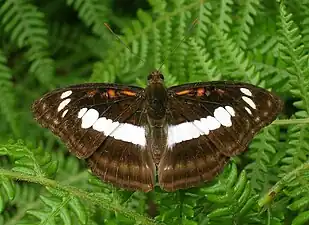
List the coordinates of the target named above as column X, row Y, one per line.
column 156, row 97
column 156, row 105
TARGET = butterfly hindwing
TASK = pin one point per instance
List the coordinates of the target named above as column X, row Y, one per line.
column 207, row 124
column 97, row 122
column 125, row 164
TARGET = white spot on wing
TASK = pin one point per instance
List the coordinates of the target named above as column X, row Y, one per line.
column 121, row 131
column 130, row 133
column 246, row 91
column 183, row 132
column 63, row 104
column 107, row 126
column 249, row 102
column 212, row 123
column 223, row 116
column 89, row 118
column 64, row 113
column 101, row 124
column 248, row 110
column 65, row 94
column 201, row 125
column 230, row 110
column 82, row 112
column 191, row 130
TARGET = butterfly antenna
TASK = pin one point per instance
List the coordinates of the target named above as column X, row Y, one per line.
column 122, row 42
column 194, row 23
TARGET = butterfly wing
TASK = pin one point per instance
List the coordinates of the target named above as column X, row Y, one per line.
column 104, row 124
column 209, row 123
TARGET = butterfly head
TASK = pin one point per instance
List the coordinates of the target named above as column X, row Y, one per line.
column 155, row 77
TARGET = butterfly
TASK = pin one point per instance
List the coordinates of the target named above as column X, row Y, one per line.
column 182, row 135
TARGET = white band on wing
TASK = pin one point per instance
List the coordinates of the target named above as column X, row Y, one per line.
column 120, row 131
column 190, row 130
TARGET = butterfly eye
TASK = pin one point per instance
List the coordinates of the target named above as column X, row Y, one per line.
column 161, row 76
column 149, row 77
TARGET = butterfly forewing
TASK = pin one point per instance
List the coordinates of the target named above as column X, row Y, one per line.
column 207, row 124
column 105, row 124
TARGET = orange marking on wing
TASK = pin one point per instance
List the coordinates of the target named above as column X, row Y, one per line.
column 111, row 93
column 200, row 91
column 184, row 92
column 129, row 93
column 91, row 93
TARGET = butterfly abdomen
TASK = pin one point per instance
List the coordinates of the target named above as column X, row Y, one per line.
column 157, row 142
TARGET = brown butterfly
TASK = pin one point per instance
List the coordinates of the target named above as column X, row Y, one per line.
column 187, row 132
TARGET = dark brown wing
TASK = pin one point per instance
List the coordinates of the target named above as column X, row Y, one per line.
column 105, row 124
column 209, row 123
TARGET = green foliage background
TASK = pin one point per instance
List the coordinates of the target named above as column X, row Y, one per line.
column 49, row 44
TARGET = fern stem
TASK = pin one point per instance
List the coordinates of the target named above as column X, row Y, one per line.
column 35, row 204
column 267, row 198
column 91, row 197
column 291, row 121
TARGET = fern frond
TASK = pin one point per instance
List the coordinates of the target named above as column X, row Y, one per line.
column 179, row 55
column 67, row 166
column 264, row 36
column 292, row 52
column 261, row 153
column 298, row 149
column 154, row 40
column 305, row 23
column 204, row 21
column 298, row 190
column 138, row 51
column 177, row 207
column 223, row 10
column 158, row 6
column 93, row 13
column 66, row 38
column 271, row 69
column 7, row 191
column 7, row 97
column 25, row 198
column 200, row 66
column 103, row 73
column 265, row 43
column 245, row 20
column 294, row 185
column 237, row 65
column 66, row 208
column 135, row 39
column 141, row 47
column 25, row 25
column 166, row 39
column 29, row 161
column 230, row 199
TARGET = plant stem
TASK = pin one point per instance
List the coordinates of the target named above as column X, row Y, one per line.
column 267, row 198
column 91, row 197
